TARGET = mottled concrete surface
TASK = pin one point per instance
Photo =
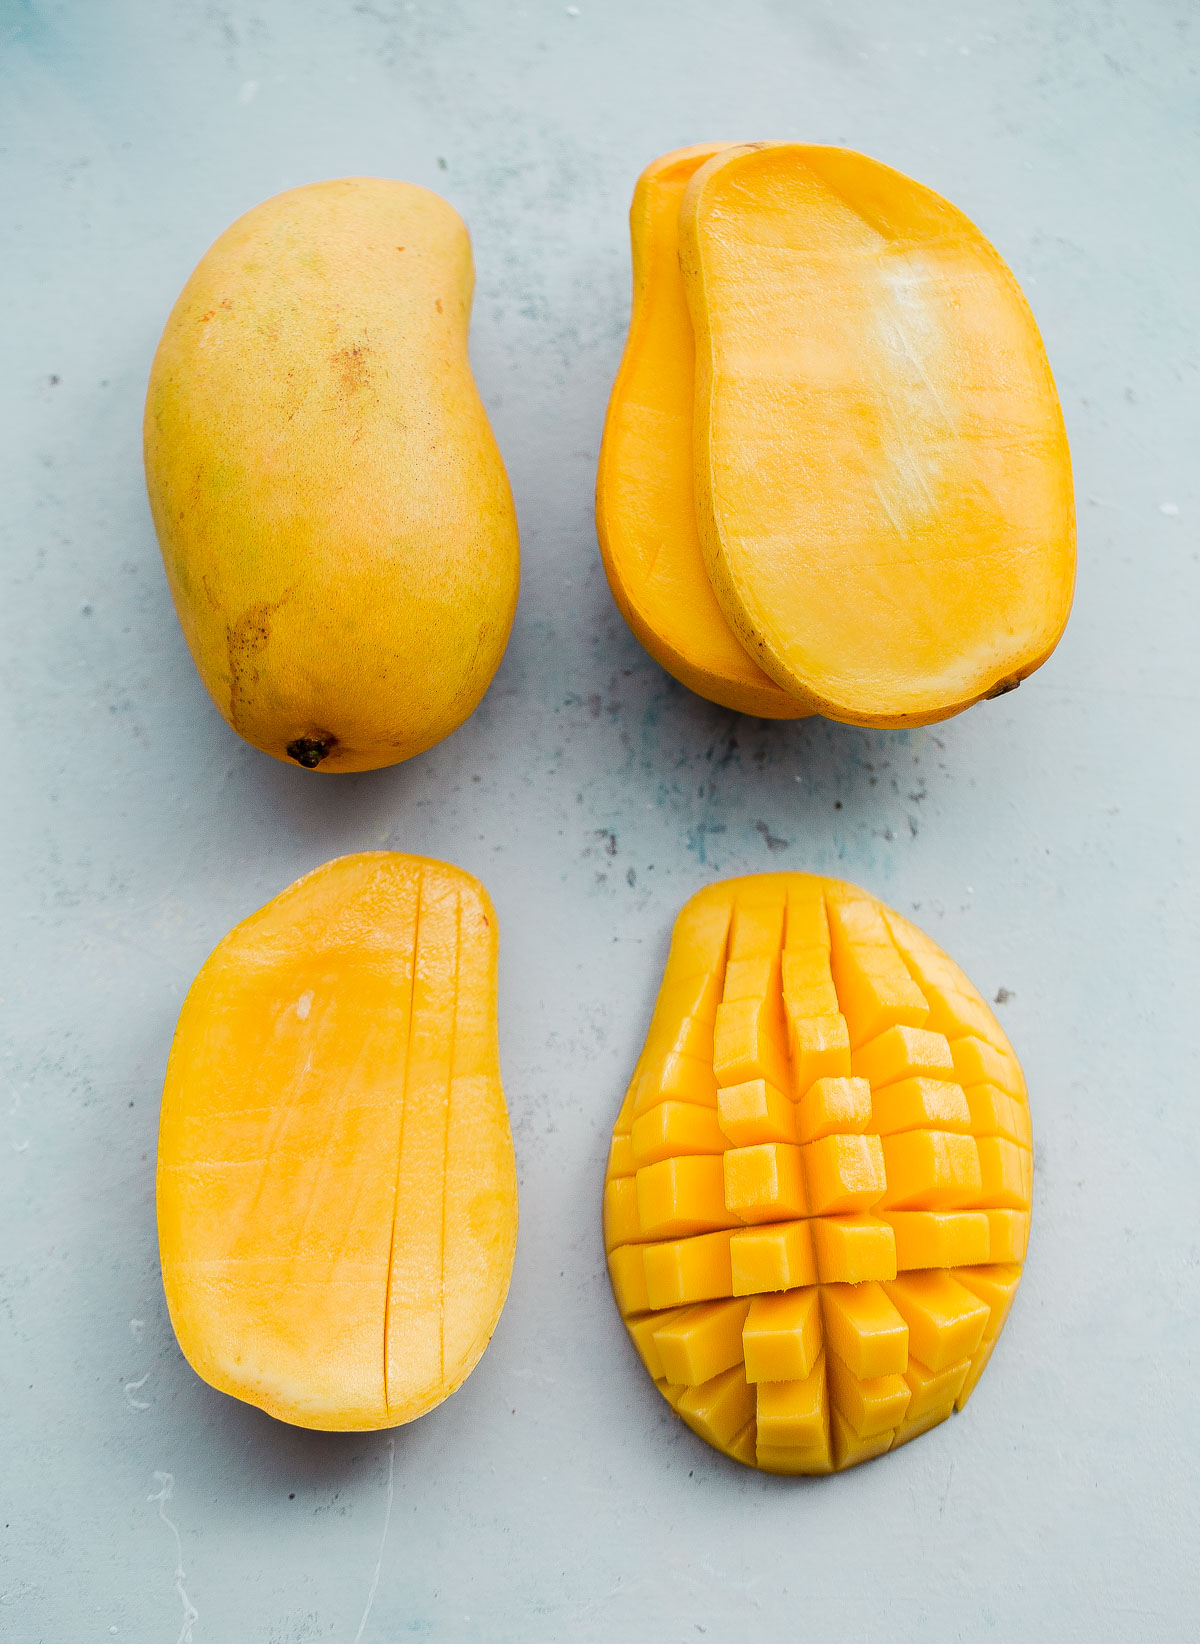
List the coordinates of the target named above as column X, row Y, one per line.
column 1047, row 839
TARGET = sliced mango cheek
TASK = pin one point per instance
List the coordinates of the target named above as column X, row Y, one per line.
column 819, row 1186
column 337, row 1197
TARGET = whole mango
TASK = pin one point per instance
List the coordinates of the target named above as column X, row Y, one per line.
column 333, row 511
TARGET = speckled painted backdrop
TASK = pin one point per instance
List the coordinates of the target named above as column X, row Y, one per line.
column 1047, row 839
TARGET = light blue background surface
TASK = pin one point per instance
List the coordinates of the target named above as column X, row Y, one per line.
column 1047, row 839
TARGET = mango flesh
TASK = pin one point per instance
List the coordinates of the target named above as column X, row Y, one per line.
column 333, row 512
column 645, row 518
column 818, row 1193
column 882, row 485
column 337, row 1202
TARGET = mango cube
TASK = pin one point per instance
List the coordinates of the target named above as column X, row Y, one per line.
column 853, row 1249
column 676, row 1271
column 963, row 1015
column 820, row 1049
column 1005, row 1176
column 830, row 1106
column 757, row 929
column 794, row 1414
column 755, row 1112
column 921, row 1104
column 914, row 1427
column 849, row 1449
column 719, row 1409
column 620, row 1157
column 628, row 1276
column 674, row 1128
column 807, row 982
column 697, row 1344
column 621, row 1224
column 978, row 1063
column 844, row 1173
column 781, row 1337
column 749, row 1043
column 903, row 1053
column 871, row 1406
column 765, row 1183
column 807, row 922
column 995, row 1113
column 934, row 1390
column 750, row 979
column 763, row 1259
column 641, row 1333
column 796, row 1461
column 945, row 1320
column 676, row 1076
column 684, row 1195
column 1008, row 1236
column 864, row 1328
column 939, row 1238
column 931, row 1170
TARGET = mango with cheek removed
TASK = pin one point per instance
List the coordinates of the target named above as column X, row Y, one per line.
column 333, row 512
column 835, row 477
column 337, row 1204
column 818, row 1194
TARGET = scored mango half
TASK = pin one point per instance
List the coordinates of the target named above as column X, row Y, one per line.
column 818, row 1193
column 337, row 1199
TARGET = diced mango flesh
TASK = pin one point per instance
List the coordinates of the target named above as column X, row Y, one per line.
column 755, row 1112
column 903, row 1053
column 779, row 1257
column 831, row 1107
column 701, row 1342
column 671, row 1129
column 781, row 1337
column 818, row 1192
column 864, row 1328
column 765, row 1183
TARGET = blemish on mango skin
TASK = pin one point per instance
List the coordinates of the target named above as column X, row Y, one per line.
column 1004, row 687
column 246, row 639
column 351, row 367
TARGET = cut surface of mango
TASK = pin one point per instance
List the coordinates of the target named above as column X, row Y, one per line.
column 883, row 487
column 337, row 1203
column 815, row 1265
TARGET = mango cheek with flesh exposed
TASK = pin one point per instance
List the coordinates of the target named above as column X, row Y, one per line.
column 337, row 1200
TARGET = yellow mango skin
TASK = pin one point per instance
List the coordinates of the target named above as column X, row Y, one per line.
column 337, row 1200
column 333, row 512
column 645, row 518
column 872, row 1269
column 883, row 486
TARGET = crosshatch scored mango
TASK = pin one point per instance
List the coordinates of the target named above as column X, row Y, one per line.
column 818, row 1194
